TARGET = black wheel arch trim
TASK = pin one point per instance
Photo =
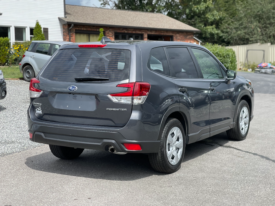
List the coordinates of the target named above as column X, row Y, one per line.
column 240, row 96
column 176, row 109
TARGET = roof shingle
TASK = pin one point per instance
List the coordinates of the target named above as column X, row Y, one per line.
column 123, row 18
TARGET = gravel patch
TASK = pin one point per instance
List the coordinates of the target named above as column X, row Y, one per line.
column 14, row 136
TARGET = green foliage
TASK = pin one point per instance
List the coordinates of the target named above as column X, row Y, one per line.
column 37, row 32
column 245, row 66
column 202, row 15
column 4, row 50
column 136, row 5
column 17, row 51
column 253, row 23
column 226, row 56
column 101, row 34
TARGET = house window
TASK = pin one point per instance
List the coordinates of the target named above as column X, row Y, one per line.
column 86, row 36
column 5, row 32
column 20, row 34
column 159, row 37
column 31, row 33
column 46, row 33
column 128, row 36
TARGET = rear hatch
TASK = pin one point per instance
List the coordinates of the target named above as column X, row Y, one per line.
column 76, row 85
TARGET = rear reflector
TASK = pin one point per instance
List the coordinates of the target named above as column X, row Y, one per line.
column 133, row 147
column 137, row 93
column 92, row 45
column 30, row 135
column 34, row 92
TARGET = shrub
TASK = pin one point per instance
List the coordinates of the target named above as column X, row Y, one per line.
column 4, row 50
column 226, row 56
column 37, row 32
column 101, row 30
column 245, row 66
column 17, row 52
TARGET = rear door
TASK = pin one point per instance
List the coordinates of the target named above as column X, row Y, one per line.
column 41, row 55
column 193, row 92
column 66, row 100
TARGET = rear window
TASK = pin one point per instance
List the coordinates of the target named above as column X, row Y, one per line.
column 69, row 64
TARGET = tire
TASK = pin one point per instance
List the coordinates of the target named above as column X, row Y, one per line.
column 66, row 153
column 28, row 73
column 239, row 132
column 3, row 94
column 160, row 161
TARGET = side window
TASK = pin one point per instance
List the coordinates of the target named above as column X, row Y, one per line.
column 31, row 46
column 209, row 66
column 158, row 61
column 42, row 48
column 54, row 48
column 181, row 63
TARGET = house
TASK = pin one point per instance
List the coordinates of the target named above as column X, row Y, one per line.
column 81, row 24
column 18, row 18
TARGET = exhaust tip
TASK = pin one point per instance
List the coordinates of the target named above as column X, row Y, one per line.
column 111, row 149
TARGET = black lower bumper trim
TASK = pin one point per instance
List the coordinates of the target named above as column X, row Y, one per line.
column 94, row 143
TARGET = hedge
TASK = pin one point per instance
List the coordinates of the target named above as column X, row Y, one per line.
column 226, row 56
column 4, row 50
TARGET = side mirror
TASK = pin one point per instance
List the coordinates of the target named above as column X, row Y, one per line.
column 231, row 75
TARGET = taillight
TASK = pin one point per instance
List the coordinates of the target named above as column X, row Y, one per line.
column 34, row 92
column 137, row 93
column 133, row 147
column 92, row 45
column 23, row 56
column 30, row 134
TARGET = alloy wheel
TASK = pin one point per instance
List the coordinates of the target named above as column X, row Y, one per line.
column 244, row 120
column 174, row 145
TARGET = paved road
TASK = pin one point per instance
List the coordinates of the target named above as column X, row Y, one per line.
column 262, row 83
column 214, row 172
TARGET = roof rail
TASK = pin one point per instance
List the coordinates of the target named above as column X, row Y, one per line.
column 105, row 40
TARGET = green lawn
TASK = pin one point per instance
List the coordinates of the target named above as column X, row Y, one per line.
column 11, row 72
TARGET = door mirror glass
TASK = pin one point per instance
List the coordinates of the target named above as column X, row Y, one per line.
column 230, row 74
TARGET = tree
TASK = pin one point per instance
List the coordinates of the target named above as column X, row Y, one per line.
column 37, row 32
column 254, row 23
column 101, row 30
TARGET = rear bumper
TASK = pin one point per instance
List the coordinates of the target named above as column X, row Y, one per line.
column 97, row 138
column 94, row 143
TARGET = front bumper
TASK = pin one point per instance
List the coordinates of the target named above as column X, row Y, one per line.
column 97, row 138
column 3, row 88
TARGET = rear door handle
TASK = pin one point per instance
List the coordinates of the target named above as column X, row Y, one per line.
column 182, row 90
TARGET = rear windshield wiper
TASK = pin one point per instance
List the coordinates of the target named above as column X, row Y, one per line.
column 84, row 79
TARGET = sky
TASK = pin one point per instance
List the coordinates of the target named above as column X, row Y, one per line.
column 94, row 3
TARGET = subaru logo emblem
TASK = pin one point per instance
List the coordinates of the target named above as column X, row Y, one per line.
column 72, row 88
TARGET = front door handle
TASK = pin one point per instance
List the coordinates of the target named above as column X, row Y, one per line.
column 182, row 90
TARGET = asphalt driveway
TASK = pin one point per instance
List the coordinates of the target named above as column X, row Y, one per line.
column 215, row 171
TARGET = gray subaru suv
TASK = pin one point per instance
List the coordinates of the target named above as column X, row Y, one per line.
column 37, row 55
column 136, row 97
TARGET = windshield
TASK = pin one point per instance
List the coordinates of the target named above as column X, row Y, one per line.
column 68, row 64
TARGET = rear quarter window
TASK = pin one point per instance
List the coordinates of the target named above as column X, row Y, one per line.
column 158, row 61
column 68, row 64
